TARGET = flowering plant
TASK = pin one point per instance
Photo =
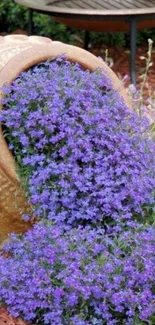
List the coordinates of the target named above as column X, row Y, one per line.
column 87, row 162
column 84, row 155
column 81, row 277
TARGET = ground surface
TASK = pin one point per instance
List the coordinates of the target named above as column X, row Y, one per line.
column 119, row 61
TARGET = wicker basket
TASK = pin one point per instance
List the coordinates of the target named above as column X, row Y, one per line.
column 18, row 53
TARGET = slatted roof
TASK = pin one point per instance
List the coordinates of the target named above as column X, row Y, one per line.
column 92, row 7
column 101, row 4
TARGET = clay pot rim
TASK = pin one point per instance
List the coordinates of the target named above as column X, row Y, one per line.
column 36, row 53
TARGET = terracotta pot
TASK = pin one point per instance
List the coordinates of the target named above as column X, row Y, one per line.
column 19, row 53
column 6, row 319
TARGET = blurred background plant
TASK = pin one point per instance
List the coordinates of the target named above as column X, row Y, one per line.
column 14, row 16
column 144, row 105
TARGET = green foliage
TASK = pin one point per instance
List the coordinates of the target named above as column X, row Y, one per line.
column 144, row 35
column 46, row 26
column 108, row 38
column 14, row 16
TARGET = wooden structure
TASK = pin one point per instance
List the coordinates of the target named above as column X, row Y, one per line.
column 99, row 16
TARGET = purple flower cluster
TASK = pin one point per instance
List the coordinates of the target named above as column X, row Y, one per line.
column 85, row 160
column 84, row 154
column 81, row 277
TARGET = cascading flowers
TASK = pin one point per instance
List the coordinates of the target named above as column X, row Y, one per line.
column 88, row 166
column 84, row 154
column 81, row 277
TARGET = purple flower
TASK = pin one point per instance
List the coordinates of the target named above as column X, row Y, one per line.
column 57, row 277
column 85, row 159
column 26, row 217
column 85, row 156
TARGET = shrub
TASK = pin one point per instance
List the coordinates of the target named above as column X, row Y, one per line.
column 81, row 277
column 14, row 16
column 84, row 155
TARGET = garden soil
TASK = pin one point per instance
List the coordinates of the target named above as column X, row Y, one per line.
column 119, row 59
